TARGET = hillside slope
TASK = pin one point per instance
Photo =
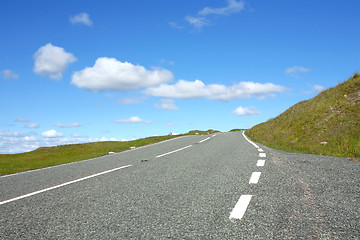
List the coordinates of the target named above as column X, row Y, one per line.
column 328, row 124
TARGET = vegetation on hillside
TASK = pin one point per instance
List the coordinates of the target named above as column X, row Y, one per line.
column 198, row 132
column 236, row 130
column 51, row 156
column 328, row 124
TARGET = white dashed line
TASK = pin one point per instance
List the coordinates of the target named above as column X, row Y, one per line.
column 260, row 150
column 204, row 140
column 260, row 163
column 61, row 185
column 254, row 177
column 173, row 151
column 262, row 154
column 240, row 207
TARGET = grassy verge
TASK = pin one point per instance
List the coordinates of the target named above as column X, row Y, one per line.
column 51, row 156
column 237, row 130
column 328, row 124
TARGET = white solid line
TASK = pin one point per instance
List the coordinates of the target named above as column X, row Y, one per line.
column 260, row 150
column 92, row 159
column 240, row 207
column 243, row 133
column 254, row 177
column 173, row 151
column 260, row 163
column 61, row 185
column 204, row 140
column 262, row 154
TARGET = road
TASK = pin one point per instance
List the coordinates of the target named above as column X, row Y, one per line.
column 219, row 186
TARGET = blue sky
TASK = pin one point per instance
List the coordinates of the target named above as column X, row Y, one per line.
column 80, row 71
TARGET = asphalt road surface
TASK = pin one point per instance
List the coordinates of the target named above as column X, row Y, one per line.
column 195, row 187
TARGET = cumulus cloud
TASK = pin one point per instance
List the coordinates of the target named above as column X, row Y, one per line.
column 81, row 18
column 197, row 89
column 71, row 125
column 232, row 7
column 51, row 134
column 246, row 111
column 111, row 74
column 134, row 119
column 8, row 74
column 52, row 61
column 167, row 104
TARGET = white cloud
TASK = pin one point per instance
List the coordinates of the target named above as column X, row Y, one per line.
column 200, row 20
column 197, row 89
column 17, row 143
column 111, row 74
column 197, row 22
column 167, row 104
column 10, row 134
column 71, row 125
column 51, row 134
column 22, row 120
column 170, row 124
column 314, row 89
column 175, row 25
column 8, row 74
column 52, row 61
column 128, row 101
column 292, row 71
column 318, row 88
column 241, row 111
column 134, row 119
column 32, row 125
column 81, row 18
column 232, row 7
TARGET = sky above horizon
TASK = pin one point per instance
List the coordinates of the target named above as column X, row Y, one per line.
column 85, row 71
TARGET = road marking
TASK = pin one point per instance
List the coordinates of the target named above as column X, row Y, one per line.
column 260, row 150
column 92, row 159
column 262, row 154
column 204, row 140
column 173, row 151
column 240, row 207
column 260, row 163
column 63, row 184
column 251, row 142
column 254, row 177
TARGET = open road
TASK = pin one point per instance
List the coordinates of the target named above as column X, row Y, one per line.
column 220, row 186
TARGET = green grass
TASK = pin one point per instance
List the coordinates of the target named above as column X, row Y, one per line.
column 333, row 116
column 236, row 130
column 51, row 156
column 198, row 132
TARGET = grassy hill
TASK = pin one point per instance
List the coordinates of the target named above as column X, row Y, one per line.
column 328, row 124
column 51, row 156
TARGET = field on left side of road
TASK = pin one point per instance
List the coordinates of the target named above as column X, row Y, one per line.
column 51, row 156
